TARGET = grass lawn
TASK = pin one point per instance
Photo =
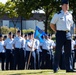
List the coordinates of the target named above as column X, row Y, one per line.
column 34, row 72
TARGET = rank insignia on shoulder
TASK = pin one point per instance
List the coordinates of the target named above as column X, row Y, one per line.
column 59, row 12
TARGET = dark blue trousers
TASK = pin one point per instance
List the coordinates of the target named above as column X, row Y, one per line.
column 62, row 40
column 62, row 61
column 9, row 60
column 19, row 59
column 40, row 54
column 37, row 59
column 45, row 59
column 51, row 59
column 73, row 58
column 2, row 59
column 32, row 62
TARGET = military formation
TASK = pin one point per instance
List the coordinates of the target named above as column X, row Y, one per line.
column 26, row 52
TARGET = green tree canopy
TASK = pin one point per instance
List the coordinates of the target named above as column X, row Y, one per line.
column 2, row 8
column 72, row 4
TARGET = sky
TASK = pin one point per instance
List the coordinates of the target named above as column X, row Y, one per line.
column 3, row 1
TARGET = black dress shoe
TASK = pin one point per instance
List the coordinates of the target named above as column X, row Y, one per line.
column 55, row 71
column 70, row 71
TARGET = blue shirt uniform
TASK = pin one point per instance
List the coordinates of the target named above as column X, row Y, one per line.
column 30, row 51
column 2, row 55
column 19, row 42
column 2, row 50
column 63, row 21
column 37, row 45
column 31, row 43
column 47, row 44
column 8, row 43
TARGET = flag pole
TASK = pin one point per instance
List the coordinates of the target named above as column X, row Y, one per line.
column 30, row 56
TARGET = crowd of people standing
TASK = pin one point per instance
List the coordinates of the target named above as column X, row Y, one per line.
column 25, row 52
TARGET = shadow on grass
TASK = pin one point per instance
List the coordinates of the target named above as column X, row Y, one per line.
column 17, row 74
column 40, row 72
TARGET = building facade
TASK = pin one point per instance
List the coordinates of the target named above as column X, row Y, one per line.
column 36, row 20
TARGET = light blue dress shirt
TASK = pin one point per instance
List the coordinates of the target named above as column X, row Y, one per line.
column 63, row 21
column 19, row 42
column 46, row 44
column 8, row 43
column 2, row 47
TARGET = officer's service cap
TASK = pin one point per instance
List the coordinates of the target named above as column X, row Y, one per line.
column 29, row 33
column 10, row 33
column 25, row 35
column 18, row 31
column 5, row 36
column 13, row 35
column 64, row 2
column 22, row 34
column 32, row 32
column 49, row 34
column 42, row 36
column 0, row 35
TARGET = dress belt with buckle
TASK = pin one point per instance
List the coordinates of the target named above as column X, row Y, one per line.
column 66, row 30
column 63, row 30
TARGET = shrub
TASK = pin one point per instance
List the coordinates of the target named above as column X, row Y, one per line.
column 4, row 30
column 13, row 30
column 27, row 31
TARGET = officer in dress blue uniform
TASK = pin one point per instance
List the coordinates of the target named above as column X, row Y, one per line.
column 51, row 51
column 19, row 44
column 27, row 51
column 25, row 39
column 73, row 53
column 41, row 52
column 2, row 52
column 8, row 44
column 30, row 52
column 46, row 46
column 37, row 54
column 4, row 37
column 63, row 21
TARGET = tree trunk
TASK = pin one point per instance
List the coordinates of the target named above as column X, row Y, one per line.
column 46, row 21
column 0, row 29
column 21, row 24
column 14, row 25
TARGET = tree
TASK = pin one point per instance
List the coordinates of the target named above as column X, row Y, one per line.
column 10, row 11
column 24, row 8
column 2, row 7
column 72, row 4
column 49, row 6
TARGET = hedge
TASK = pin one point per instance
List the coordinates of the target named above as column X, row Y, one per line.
column 6, row 30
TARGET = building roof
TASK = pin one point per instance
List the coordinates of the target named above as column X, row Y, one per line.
column 35, row 16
